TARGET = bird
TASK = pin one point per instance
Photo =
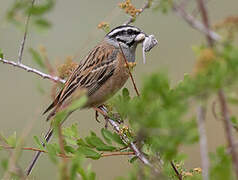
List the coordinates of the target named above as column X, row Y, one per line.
column 100, row 74
column 103, row 71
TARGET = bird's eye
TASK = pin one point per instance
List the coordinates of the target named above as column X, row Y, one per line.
column 130, row 31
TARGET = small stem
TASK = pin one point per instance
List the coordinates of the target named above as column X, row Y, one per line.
column 117, row 154
column 205, row 19
column 24, row 37
column 64, row 168
column 127, row 65
column 228, row 130
column 180, row 177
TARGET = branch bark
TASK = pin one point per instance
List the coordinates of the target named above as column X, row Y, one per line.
column 201, row 112
column 35, row 71
column 228, row 130
column 195, row 23
column 126, row 140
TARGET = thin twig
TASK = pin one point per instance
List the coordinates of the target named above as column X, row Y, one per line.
column 228, row 129
column 25, row 34
column 35, row 71
column 205, row 19
column 117, row 154
column 196, row 11
column 37, row 155
column 146, row 5
column 47, row 139
column 64, row 167
column 180, row 177
column 195, row 23
column 201, row 112
column 127, row 65
column 67, row 156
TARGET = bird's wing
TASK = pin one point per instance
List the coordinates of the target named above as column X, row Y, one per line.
column 90, row 74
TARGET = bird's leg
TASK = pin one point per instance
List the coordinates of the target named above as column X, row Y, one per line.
column 96, row 116
column 98, row 110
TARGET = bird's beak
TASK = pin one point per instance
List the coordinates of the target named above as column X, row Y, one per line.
column 140, row 37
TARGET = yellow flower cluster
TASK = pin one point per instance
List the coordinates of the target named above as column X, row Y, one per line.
column 189, row 173
column 67, row 68
column 103, row 25
column 129, row 8
column 131, row 65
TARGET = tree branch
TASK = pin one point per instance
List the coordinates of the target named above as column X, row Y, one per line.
column 201, row 112
column 35, row 71
column 126, row 140
column 195, row 23
column 228, row 129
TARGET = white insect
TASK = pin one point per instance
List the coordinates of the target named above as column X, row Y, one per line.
column 148, row 43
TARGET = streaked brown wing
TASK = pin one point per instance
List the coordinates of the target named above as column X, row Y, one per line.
column 90, row 74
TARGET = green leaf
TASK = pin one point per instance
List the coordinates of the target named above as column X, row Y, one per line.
column 71, row 131
column 59, row 117
column 76, row 164
column 89, row 153
column 4, row 164
column 53, row 150
column 69, row 149
column 133, row 159
column 116, row 138
column 126, row 94
column 12, row 140
column 221, row 165
column 41, row 9
column 1, row 54
column 77, row 103
column 38, row 142
column 106, row 135
column 37, row 58
column 71, row 134
column 80, row 142
column 42, row 23
column 96, row 142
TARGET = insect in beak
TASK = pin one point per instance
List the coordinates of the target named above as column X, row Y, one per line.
column 148, row 43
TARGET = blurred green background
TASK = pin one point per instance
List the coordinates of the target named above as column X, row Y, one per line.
column 74, row 32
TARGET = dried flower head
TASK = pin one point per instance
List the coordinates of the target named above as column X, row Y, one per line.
column 229, row 26
column 129, row 8
column 104, row 26
column 206, row 57
column 198, row 170
column 67, row 68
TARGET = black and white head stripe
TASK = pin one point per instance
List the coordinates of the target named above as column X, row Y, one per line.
column 125, row 29
column 125, row 34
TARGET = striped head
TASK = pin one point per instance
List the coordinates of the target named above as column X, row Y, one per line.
column 128, row 37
